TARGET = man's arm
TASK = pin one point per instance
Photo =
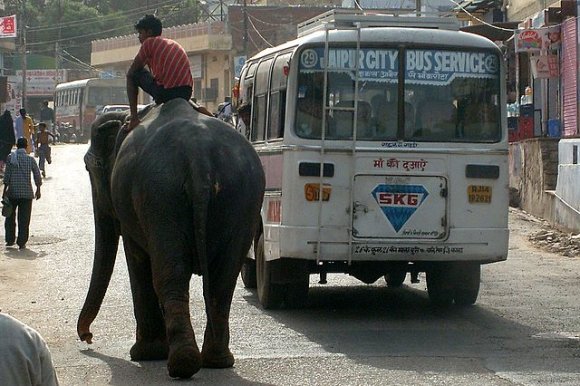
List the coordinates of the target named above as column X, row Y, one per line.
column 7, row 175
column 133, row 91
column 37, row 178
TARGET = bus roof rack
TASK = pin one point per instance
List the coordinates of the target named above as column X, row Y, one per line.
column 349, row 18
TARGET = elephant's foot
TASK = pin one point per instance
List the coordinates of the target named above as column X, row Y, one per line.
column 217, row 360
column 149, row 350
column 184, row 361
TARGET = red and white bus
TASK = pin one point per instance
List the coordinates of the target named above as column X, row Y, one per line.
column 78, row 102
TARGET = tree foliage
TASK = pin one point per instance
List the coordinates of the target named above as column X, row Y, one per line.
column 71, row 25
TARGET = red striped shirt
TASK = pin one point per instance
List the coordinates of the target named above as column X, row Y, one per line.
column 167, row 61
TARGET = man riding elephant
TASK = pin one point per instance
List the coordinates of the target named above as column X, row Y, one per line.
column 170, row 76
column 184, row 191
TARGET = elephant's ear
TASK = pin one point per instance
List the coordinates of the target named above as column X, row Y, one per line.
column 104, row 136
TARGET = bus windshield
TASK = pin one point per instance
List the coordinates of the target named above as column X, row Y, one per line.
column 106, row 95
column 448, row 95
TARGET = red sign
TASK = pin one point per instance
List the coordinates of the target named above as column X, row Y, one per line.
column 8, row 26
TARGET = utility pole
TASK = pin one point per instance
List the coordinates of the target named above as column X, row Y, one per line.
column 57, row 46
column 245, row 12
column 23, row 46
column 24, row 61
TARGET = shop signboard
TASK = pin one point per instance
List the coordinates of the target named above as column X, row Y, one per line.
column 41, row 82
column 544, row 66
column 538, row 39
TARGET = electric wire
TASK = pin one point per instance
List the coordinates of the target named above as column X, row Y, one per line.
column 259, row 34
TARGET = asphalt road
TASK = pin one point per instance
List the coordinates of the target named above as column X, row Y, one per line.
column 524, row 329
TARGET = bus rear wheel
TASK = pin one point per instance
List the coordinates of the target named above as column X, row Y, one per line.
column 395, row 277
column 467, row 281
column 458, row 281
column 270, row 295
column 440, row 285
column 248, row 274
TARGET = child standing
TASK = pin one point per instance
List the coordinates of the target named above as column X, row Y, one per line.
column 43, row 147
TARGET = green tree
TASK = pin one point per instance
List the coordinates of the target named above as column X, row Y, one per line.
column 73, row 24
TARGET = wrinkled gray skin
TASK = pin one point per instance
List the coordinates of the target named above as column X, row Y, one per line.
column 184, row 190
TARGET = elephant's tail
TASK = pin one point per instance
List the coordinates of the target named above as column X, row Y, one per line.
column 200, row 218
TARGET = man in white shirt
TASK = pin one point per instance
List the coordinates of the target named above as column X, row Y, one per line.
column 24, row 355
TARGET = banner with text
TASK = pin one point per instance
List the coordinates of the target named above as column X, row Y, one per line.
column 434, row 67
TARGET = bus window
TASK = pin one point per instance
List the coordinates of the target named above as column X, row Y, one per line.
column 118, row 95
column 277, row 103
column 455, row 94
column 375, row 119
column 99, row 96
column 278, row 97
column 261, row 90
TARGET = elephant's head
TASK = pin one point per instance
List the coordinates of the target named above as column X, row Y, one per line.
column 99, row 162
column 100, row 158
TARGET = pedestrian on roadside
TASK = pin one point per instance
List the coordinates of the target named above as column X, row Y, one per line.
column 7, row 138
column 43, row 147
column 24, row 127
column 24, row 355
column 47, row 116
column 225, row 110
column 18, row 189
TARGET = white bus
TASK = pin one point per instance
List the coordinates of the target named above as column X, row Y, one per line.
column 400, row 122
column 77, row 103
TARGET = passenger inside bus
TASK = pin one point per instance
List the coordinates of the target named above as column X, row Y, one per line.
column 387, row 122
column 386, row 119
column 343, row 122
column 436, row 120
column 480, row 121
column 309, row 117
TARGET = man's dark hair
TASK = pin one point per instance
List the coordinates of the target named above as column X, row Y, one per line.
column 22, row 143
column 150, row 23
column 22, row 112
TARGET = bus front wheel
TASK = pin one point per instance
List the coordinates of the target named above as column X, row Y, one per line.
column 270, row 295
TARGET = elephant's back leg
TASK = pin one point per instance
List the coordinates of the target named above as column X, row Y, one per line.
column 169, row 247
column 151, row 340
column 226, row 258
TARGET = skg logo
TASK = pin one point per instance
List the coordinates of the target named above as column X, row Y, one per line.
column 398, row 199
column 309, row 58
column 399, row 202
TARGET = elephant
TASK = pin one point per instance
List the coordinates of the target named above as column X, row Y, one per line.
column 184, row 191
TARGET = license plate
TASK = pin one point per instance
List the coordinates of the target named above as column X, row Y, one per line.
column 312, row 192
column 479, row 194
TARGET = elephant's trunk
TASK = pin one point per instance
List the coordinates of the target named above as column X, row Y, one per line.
column 106, row 244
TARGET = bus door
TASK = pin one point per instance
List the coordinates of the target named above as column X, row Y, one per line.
column 400, row 207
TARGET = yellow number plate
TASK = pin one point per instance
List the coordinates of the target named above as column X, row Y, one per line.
column 312, row 192
column 479, row 194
